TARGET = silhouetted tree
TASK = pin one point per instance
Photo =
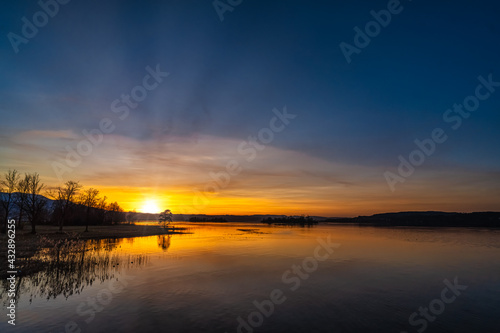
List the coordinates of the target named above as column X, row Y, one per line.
column 21, row 199
column 101, row 206
column 131, row 216
column 35, row 202
column 291, row 220
column 65, row 198
column 115, row 209
column 7, row 189
column 165, row 218
column 89, row 200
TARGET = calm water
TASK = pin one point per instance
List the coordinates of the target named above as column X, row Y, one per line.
column 366, row 280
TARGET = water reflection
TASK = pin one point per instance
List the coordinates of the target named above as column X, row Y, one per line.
column 66, row 268
column 164, row 241
column 205, row 280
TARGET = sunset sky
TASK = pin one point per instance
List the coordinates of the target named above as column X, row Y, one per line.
column 230, row 80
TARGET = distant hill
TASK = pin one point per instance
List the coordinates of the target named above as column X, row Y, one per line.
column 427, row 219
column 233, row 218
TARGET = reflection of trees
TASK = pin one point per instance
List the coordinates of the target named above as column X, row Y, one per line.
column 69, row 266
column 164, row 241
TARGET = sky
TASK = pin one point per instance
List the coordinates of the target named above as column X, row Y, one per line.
column 259, row 107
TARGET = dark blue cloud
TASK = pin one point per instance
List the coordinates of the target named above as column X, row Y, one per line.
column 227, row 76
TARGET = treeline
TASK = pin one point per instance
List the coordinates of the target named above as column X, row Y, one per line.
column 207, row 219
column 24, row 198
column 426, row 219
column 291, row 220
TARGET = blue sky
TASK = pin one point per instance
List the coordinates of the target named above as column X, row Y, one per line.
column 226, row 77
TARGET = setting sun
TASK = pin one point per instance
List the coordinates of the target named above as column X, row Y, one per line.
column 150, row 206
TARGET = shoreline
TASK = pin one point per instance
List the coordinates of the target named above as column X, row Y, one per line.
column 27, row 244
column 95, row 232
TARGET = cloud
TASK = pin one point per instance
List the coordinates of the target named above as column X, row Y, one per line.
column 35, row 135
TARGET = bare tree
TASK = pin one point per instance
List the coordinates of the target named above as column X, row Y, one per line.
column 101, row 205
column 114, row 208
column 131, row 217
column 7, row 191
column 21, row 199
column 35, row 202
column 88, row 198
column 65, row 197
column 165, row 218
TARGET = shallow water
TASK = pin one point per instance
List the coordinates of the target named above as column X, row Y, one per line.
column 367, row 280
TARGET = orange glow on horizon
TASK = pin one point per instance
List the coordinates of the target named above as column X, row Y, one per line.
column 186, row 201
column 323, row 201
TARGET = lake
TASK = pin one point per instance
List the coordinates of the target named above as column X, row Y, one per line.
column 240, row 277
